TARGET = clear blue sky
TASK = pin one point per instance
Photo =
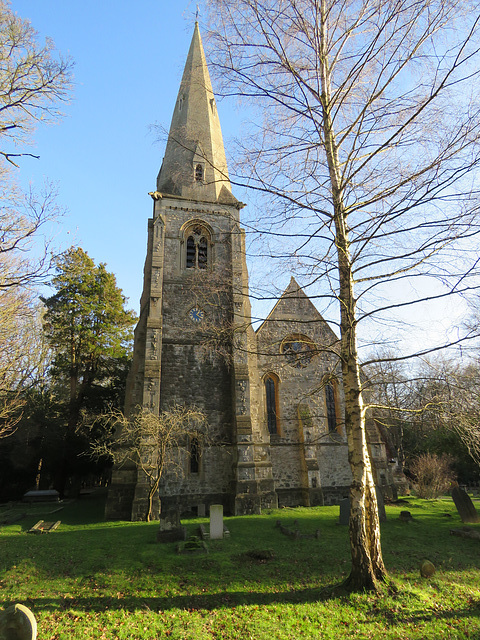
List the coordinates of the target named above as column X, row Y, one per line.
column 129, row 59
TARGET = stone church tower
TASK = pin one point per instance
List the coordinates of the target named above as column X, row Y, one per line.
column 276, row 417
column 194, row 279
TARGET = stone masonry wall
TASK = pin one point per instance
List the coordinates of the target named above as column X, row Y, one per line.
column 310, row 465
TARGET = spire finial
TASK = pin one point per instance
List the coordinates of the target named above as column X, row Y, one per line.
column 197, row 14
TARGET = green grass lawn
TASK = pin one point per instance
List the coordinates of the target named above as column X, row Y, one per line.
column 95, row 579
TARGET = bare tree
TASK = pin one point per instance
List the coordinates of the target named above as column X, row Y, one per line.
column 154, row 444
column 433, row 475
column 439, row 396
column 23, row 353
column 366, row 150
column 34, row 81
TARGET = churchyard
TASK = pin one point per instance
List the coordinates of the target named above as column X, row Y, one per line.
column 272, row 577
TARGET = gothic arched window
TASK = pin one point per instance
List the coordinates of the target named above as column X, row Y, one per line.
column 271, row 401
column 331, row 407
column 197, row 249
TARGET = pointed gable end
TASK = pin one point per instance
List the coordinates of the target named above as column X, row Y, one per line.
column 295, row 308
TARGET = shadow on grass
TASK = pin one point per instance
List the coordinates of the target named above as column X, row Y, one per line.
column 208, row 602
column 126, row 553
column 226, row 600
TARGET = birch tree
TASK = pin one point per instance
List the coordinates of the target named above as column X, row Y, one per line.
column 366, row 144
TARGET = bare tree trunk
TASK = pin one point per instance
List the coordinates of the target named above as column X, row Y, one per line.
column 367, row 562
column 151, row 492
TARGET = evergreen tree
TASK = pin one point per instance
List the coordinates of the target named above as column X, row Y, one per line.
column 90, row 334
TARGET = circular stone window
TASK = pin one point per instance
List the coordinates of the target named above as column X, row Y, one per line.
column 298, row 350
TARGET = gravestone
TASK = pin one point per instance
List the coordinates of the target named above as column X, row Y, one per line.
column 201, row 511
column 46, row 495
column 170, row 529
column 464, row 504
column 405, row 516
column 17, row 623
column 344, row 511
column 382, row 516
column 427, row 569
column 216, row 522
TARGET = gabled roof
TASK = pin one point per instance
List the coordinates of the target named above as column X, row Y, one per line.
column 195, row 137
column 295, row 306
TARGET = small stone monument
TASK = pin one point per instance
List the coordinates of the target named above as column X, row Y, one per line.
column 216, row 522
column 382, row 515
column 344, row 511
column 464, row 504
column 17, row 623
column 405, row 516
column 427, row 569
column 170, row 529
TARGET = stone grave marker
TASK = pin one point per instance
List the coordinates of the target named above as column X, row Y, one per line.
column 216, row 522
column 405, row 516
column 382, row 516
column 427, row 569
column 344, row 511
column 464, row 504
column 170, row 529
column 43, row 495
column 201, row 511
column 17, row 623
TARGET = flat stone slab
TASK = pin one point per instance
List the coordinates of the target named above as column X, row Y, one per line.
column 44, row 527
column 295, row 533
column 204, row 531
column 466, row 532
column 12, row 518
column 47, row 495
column 193, row 545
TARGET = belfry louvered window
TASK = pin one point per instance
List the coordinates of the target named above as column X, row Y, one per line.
column 197, row 249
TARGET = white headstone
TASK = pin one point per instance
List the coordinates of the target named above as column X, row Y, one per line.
column 216, row 522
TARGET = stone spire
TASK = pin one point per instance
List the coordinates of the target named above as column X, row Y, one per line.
column 194, row 165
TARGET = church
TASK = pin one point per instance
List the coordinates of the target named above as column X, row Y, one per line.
column 272, row 397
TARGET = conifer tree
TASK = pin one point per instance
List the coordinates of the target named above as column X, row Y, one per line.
column 90, row 333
